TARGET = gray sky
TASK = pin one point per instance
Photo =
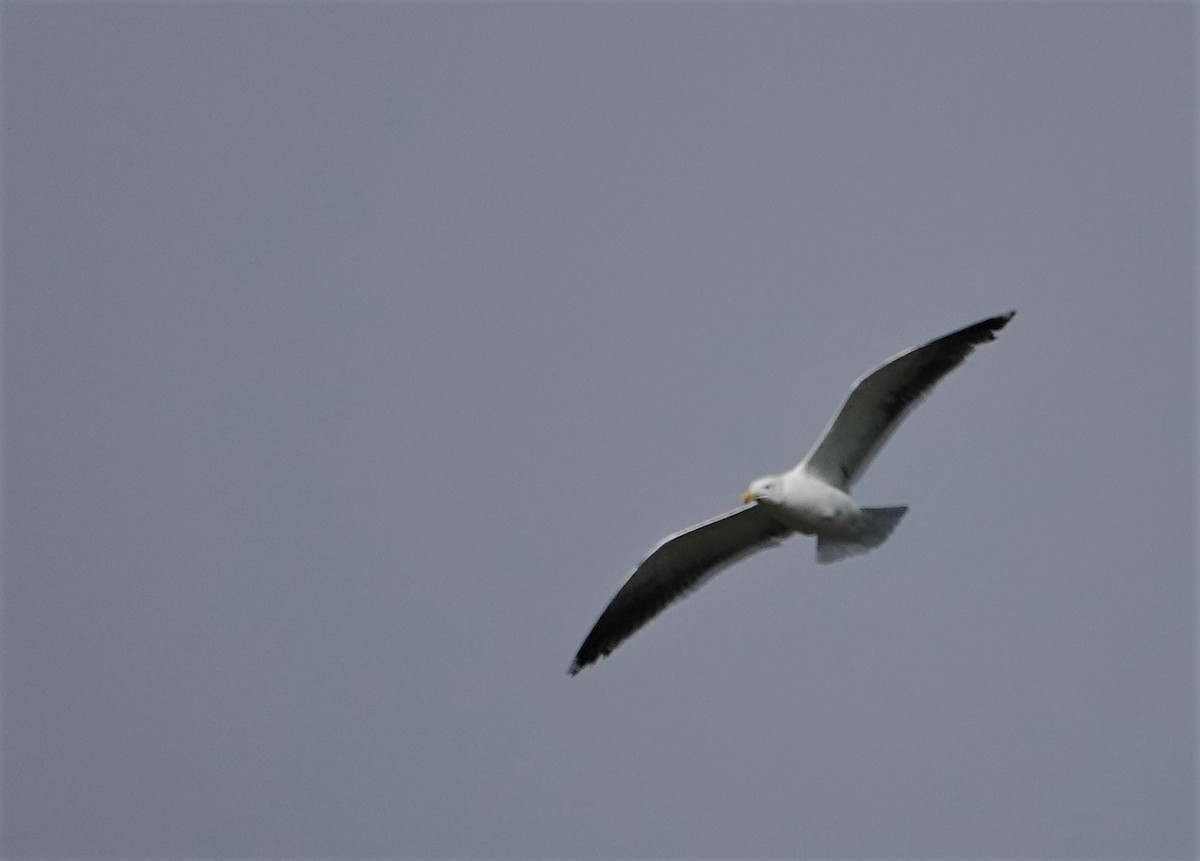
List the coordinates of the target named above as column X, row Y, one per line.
column 354, row 354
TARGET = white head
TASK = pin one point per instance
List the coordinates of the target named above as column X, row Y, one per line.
column 766, row 489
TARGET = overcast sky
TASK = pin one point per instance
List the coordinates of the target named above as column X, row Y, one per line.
column 354, row 353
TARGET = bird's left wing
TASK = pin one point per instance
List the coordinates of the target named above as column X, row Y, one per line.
column 679, row 564
column 881, row 399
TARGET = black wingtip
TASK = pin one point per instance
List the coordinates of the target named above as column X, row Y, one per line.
column 985, row 330
column 999, row 322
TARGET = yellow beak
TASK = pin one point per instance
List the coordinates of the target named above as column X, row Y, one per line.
column 747, row 497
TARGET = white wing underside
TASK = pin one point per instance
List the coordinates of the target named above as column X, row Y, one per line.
column 881, row 399
column 677, row 565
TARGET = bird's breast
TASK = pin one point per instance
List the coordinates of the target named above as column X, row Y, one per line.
column 813, row 507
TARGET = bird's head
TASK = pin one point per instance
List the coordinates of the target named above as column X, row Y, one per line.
column 766, row 489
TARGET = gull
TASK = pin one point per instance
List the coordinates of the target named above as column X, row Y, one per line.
column 813, row 498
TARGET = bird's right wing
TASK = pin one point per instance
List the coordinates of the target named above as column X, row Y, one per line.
column 680, row 563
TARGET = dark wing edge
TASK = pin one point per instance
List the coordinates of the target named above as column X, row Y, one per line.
column 881, row 399
column 678, row 565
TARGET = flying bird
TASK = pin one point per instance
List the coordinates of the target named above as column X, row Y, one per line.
column 810, row 499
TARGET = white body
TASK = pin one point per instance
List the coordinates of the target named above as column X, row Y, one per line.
column 805, row 503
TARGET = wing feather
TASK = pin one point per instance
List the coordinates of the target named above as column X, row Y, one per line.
column 881, row 399
column 679, row 564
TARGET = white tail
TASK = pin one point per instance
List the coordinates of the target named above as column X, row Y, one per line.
column 877, row 525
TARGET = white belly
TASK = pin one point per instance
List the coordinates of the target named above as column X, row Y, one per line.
column 815, row 508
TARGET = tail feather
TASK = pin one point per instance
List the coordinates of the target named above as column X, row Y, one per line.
column 877, row 525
